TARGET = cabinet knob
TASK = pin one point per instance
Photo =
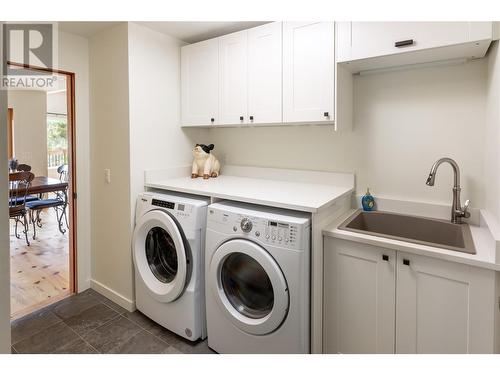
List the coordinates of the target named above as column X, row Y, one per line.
column 251, row 118
column 326, row 114
column 241, row 118
column 385, row 257
column 406, row 262
column 212, row 120
column 404, row 43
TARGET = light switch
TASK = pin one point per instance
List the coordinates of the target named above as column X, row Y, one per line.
column 107, row 175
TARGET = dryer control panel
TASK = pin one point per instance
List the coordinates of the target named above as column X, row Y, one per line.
column 293, row 234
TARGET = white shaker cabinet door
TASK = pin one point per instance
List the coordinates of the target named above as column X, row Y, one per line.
column 443, row 307
column 233, row 79
column 308, row 71
column 265, row 74
column 199, row 83
column 359, row 298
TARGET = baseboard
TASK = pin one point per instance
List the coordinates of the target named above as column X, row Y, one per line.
column 112, row 295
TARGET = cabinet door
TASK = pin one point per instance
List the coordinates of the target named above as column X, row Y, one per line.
column 308, row 71
column 370, row 39
column 443, row 307
column 265, row 74
column 200, row 82
column 233, row 81
column 359, row 298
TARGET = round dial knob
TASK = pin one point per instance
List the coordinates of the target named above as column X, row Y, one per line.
column 246, row 225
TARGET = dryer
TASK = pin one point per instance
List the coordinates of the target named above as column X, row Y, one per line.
column 257, row 279
column 168, row 252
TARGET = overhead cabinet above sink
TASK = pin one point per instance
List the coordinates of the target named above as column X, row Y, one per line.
column 363, row 46
column 274, row 74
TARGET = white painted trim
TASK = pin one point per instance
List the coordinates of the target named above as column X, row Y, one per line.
column 113, row 295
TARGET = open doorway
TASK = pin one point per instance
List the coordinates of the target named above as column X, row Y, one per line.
column 41, row 140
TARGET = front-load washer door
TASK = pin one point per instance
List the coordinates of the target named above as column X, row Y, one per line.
column 160, row 255
column 249, row 286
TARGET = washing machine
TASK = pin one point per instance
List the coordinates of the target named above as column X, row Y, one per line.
column 257, row 279
column 168, row 253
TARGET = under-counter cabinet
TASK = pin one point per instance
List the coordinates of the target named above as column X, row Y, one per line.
column 359, row 298
column 200, row 83
column 373, row 45
column 384, row 301
column 443, row 307
column 308, row 71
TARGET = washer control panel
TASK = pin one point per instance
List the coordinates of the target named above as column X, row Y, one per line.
column 177, row 209
column 274, row 232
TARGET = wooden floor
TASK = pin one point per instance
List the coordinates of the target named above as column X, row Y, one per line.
column 40, row 272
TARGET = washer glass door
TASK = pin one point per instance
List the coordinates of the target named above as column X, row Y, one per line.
column 249, row 286
column 160, row 255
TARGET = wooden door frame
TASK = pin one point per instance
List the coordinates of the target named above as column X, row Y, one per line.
column 72, row 195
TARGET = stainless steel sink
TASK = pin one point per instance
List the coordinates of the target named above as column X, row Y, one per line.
column 430, row 232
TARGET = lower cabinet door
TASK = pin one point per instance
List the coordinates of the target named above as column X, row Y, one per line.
column 359, row 298
column 443, row 307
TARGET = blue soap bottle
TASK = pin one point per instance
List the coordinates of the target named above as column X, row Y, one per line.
column 367, row 201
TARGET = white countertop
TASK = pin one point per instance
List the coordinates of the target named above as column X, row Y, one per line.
column 485, row 248
column 300, row 196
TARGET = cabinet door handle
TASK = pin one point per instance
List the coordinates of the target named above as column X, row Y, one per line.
column 406, row 262
column 212, row 120
column 404, row 43
column 326, row 114
column 385, row 257
column 251, row 118
column 241, row 118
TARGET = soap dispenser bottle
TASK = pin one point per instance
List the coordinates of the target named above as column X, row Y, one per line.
column 367, row 201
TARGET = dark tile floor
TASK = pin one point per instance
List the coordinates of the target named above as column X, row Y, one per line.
column 90, row 323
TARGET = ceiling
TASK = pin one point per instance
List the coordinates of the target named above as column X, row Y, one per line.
column 192, row 32
column 85, row 29
column 189, row 32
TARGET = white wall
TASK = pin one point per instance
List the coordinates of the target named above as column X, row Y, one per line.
column 4, row 228
column 74, row 57
column 156, row 139
column 492, row 135
column 111, row 226
column 30, row 128
column 404, row 121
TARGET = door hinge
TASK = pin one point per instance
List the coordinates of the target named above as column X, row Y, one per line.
column 74, row 195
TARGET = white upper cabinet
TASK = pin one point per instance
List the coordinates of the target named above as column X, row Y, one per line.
column 308, row 71
column 265, row 74
column 276, row 73
column 233, row 78
column 200, row 83
column 387, row 44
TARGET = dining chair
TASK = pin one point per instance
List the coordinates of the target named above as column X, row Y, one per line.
column 63, row 172
column 58, row 203
column 63, row 177
column 24, row 168
column 19, row 183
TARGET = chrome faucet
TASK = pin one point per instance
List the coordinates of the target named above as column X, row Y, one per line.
column 457, row 212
